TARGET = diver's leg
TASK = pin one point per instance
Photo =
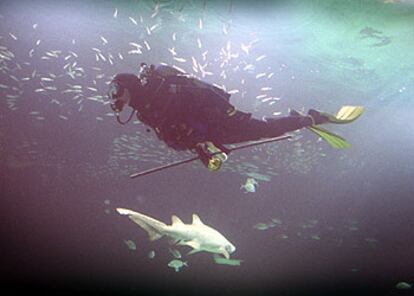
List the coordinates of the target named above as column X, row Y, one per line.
column 242, row 128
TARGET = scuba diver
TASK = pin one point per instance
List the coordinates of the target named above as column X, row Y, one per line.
column 188, row 114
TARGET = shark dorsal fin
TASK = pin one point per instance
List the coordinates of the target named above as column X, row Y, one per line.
column 176, row 220
column 197, row 220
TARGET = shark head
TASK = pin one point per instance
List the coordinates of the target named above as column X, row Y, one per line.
column 211, row 240
column 230, row 248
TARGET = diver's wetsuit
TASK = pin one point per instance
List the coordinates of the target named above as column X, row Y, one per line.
column 184, row 112
column 241, row 128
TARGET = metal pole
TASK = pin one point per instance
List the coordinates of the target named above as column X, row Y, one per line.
column 180, row 162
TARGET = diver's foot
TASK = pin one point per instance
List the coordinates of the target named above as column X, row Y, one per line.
column 318, row 117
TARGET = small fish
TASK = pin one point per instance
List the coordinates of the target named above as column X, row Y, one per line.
column 154, row 27
column 13, row 36
column 225, row 31
column 276, row 220
column 156, row 10
column 204, row 54
column 200, row 24
column 115, row 13
column 248, row 67
column 147, row 45
column 151, row 254
column 260, row 58
column 73, row 53
column 177, row 264
column 102, row 56
column 260, row 75
column 63, row 117
column 133, row 20
column 38, row 42
column 261, row 226
column 199, row 42
column 181, row 60
column 104, row 40
column 266, row 99
column 179, row 69
column 195, row 64
column 403, row 286
column 250, row 185
column 174, row 36
column 51, row 54
column 130, row 244
column 34, row 26
column 135, row 44
column 135, row 51
column 245, row 48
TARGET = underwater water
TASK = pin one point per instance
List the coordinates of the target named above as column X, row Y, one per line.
column 319, row 220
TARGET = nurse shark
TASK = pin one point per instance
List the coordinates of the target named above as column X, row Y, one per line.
column 196, row 235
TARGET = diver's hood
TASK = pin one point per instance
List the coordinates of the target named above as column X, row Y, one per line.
column 129, row 81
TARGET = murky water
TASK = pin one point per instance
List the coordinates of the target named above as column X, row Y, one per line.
column 318, row 218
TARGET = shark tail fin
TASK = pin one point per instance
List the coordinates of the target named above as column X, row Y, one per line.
column 150, row 225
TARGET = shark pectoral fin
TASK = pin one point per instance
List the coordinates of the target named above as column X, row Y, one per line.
column 180, row 242
column 225, row 254
column 194, row 244
column 193, row 251
column 152, row 233
column 174, row 241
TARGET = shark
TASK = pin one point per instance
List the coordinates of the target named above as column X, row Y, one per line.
column 197, row 235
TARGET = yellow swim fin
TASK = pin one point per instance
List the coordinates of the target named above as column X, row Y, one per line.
column 346, row 114
column 332, row 139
